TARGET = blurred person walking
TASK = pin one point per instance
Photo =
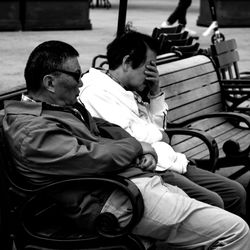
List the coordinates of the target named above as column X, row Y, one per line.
column 179, row 14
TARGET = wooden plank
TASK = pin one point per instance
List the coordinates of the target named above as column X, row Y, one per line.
column 189, row 142
column 227, row 59
column 190, row 84
column 198, row 152
column 204, row 111
column 181, row 99
column 221, row 139
column 176, row 113
column 183, row 64
column 235, row 135
column 224, row 46
column 189, row 148
column 212, row 123
column 169, row 77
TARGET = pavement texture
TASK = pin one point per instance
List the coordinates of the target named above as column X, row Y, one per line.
column 15, row 46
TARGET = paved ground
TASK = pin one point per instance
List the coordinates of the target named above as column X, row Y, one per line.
column 145, row 15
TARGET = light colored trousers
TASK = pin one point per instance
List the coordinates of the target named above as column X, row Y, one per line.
column 183, row 223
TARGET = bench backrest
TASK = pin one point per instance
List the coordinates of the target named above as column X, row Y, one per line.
column 13, row 94
column 226, row 57
column 192, row 88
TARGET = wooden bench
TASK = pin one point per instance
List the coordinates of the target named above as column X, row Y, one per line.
column 226, row 57
column 195, row 98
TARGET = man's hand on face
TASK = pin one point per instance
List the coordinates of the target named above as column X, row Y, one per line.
column 152, row 78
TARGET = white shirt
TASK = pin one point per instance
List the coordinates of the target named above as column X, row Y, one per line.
column 105, row 98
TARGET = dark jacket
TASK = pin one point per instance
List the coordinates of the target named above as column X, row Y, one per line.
column 49, row 143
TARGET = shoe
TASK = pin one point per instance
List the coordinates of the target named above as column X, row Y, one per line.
column 191, row 32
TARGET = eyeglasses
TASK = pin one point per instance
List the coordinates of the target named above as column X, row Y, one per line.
column 76, row 75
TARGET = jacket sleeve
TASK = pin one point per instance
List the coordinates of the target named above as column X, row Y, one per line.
column 110, row 130
column 49, row 149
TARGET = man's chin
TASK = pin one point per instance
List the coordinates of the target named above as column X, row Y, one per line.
column 141, row 88
column 72, row 103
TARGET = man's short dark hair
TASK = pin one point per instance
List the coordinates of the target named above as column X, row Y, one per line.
column 44, row 59
column 131, row 43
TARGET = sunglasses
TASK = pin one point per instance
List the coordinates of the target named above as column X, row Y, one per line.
column 76, row 75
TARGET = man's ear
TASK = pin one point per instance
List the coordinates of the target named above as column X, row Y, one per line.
column 48, row 83
column 126, row 63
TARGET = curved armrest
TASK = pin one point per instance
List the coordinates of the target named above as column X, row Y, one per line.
column 245, row 74
column 207, row 139
column 236, row 91
column 39, row 205
column 239, row 117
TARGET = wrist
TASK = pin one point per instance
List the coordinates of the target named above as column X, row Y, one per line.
column 153, row 153
column 154, row 95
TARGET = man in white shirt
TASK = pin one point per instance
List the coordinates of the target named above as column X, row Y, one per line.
column 51, row 135
column 113, row 96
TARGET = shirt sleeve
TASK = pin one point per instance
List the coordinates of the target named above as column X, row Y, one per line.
column 101, row 103
column 158, row 109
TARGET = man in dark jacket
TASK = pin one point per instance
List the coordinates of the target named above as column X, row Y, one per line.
column 52, row 136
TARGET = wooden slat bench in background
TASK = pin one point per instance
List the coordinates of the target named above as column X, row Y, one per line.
column 13, row 93
column 195, row 98
column 226, row 58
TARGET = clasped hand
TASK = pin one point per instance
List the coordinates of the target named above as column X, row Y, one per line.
column 148, row 159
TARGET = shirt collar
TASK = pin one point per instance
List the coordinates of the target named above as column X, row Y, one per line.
column 26, row 98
